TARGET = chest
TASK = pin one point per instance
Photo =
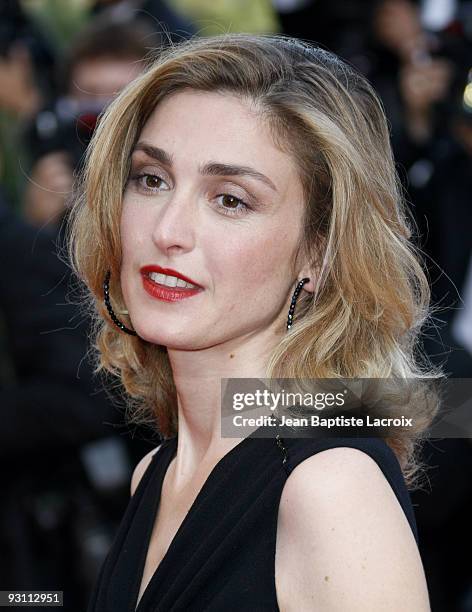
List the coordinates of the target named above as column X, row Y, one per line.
column 170, row 516
column 167, row 524
column 212, row 542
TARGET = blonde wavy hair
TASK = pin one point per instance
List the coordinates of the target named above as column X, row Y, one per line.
column 372, row 297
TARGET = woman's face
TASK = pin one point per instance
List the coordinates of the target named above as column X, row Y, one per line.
column 210, row 197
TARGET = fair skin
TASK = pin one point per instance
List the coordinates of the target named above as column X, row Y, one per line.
column 245, row 264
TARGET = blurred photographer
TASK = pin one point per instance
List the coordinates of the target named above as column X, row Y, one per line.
column 103, row 59
column 64, row 470
column 26, row 62
column 410, row 66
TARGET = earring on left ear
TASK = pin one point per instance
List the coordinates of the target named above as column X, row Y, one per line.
column 295, row 295
column 279, row 441
column 111, row 312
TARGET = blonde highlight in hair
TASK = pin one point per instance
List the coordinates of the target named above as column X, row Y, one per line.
column 372, row 296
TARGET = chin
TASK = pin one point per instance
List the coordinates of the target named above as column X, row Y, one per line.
column 172, row 339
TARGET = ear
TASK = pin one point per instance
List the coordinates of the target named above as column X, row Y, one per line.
column 306, row 265
column 309, row 270
column 311, row 284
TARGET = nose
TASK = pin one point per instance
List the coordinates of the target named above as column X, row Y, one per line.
column 175, row 226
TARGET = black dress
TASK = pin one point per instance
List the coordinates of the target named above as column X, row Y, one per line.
column 223, row 554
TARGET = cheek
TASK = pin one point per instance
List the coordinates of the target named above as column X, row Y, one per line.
column 131, row 234
column 132, row 248
column 126, row 236
column 247, row 262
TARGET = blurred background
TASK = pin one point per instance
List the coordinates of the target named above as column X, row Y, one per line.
column 67, row 452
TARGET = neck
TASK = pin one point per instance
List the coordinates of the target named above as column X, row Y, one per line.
column 197, row 376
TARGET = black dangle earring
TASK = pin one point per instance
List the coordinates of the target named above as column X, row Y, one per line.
column 111, row 312
column 291, row 310
column 298, row 288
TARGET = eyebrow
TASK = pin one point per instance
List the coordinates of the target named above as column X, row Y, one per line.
column 208, row 169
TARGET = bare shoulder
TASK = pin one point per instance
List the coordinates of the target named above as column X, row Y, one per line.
column 343, row 540
column 141, row 467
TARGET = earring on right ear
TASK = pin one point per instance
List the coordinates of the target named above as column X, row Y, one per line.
column 295, row 295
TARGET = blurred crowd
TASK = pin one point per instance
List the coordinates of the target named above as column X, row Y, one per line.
column 67, row 451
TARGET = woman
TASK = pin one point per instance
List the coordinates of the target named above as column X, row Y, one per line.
column 239, row 177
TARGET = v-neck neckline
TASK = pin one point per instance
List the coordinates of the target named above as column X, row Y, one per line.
column 172, row 446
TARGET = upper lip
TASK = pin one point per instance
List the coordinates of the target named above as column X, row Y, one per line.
column 169, row 271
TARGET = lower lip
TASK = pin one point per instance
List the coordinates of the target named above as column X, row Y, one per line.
column 168, row 294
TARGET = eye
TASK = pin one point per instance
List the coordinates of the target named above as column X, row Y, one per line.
column 148, row 182
column 232, row 206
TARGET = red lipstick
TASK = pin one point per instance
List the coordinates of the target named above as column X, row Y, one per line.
column 162, row 292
